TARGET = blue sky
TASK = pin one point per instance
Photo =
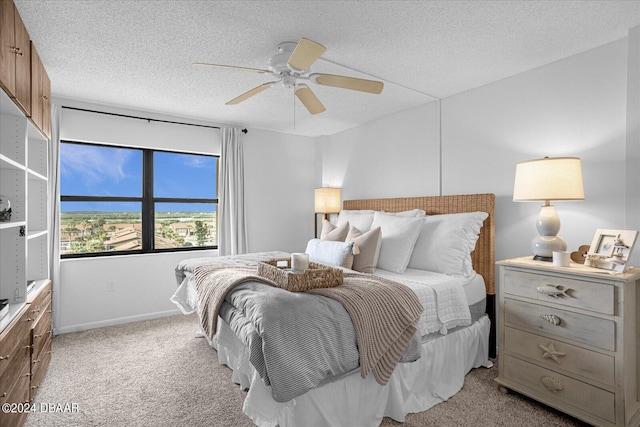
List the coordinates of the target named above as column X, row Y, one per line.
column 90, row 170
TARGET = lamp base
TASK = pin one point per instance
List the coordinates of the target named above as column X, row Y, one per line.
column 544, row 246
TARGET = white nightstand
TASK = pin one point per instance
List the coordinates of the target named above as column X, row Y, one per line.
column 576, row 351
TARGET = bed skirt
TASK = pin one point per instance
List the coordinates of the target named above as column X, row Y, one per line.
column 350, row 400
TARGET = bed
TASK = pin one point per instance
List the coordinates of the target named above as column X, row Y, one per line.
column 443, row 349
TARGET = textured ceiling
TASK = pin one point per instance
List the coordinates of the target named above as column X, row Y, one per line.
column 138, row 53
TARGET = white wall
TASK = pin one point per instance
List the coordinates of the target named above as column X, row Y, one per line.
column 573, row 107
column 279, row 183
column 393, row 157
column 279, row 192
column 633, row 140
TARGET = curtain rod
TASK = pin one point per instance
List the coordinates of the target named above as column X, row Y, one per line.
column 144, row 118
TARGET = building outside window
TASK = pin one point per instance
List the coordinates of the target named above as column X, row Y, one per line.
column 120, row 200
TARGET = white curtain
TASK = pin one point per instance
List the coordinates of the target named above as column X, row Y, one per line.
column 232, row 235
column 54, row 210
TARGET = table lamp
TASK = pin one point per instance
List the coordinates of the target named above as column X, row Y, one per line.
column 327, row 201
column 547, row 179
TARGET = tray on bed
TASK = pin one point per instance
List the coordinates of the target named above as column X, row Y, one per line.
column 316, row 276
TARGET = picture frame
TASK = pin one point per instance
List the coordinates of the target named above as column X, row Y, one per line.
column 610, row 249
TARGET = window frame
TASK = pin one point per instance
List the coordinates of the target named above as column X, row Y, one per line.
column 147, row 202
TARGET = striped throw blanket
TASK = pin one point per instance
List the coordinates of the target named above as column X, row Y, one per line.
column 384, row 313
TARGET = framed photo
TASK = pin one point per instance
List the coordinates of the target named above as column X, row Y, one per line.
column 610, row 249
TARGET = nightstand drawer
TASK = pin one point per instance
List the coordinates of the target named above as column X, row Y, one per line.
column 587, row 295
column 559, row 388
column 559, row 355
column 564, row 324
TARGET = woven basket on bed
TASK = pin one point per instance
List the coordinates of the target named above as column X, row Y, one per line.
column 316, row 276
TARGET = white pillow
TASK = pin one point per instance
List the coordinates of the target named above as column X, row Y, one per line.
column 399, row 235
column 446, row 242
column 413, row 213
column 333, row 232
column 369, row 246
column 361, row 219
column 330, row 252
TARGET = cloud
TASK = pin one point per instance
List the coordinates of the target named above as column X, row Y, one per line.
column 95, row 165
column 198, row 161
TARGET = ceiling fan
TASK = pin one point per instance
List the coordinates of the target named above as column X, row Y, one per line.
column 291, row 66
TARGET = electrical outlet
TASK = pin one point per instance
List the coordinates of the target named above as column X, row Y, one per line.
column 111, row 286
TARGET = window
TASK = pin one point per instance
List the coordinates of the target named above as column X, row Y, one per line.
column 117, row 200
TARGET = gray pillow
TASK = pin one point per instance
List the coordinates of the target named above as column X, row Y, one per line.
column 336, row 233
column 369, row 245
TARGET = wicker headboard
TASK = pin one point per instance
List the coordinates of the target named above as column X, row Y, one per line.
column 484, row 254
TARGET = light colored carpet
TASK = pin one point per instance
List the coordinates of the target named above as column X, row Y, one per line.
column 155, row 373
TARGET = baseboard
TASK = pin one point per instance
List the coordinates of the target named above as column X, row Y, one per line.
column 112, row 322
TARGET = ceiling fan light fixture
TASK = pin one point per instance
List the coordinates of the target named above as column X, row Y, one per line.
column 292, row 63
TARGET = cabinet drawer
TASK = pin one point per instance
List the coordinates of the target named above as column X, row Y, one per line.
column 559, row 388
column 19, row 394
column 574, row 326
column 39, row 368
column 598, row 297
column 14, row 334
column 14, row 365
column 41, row 332
column 559, row 355
column 41, row 301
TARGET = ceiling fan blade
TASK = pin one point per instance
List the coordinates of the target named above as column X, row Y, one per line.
column 249, row 94
column 309, row 99
column 232, row 67
column 306, row 53
column 344, row 82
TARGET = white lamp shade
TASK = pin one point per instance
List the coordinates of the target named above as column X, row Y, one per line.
column 551, row 178
column 327, row 200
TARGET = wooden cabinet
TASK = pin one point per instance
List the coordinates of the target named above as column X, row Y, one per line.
column 15, row 56
column 25, row 332
column 25, row 352
column 567, row 338
column 40, row 94
column 15, row 366
column 40, row 336
column 22, row 75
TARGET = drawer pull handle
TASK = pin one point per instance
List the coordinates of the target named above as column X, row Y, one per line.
column 35, row 311
column 35, row 387
column 29, row 319
column 550, row 352
column 37, row 336
column 551, row 383
column 4, row 394
column 551, row 318
column 4, row 357
column 553, row 290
